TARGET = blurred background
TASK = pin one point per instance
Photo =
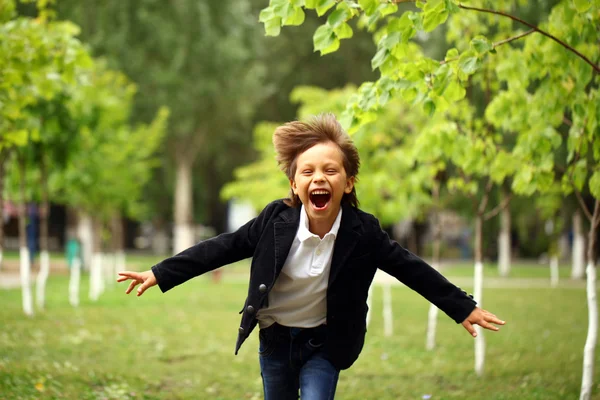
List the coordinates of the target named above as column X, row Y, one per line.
column 130, row 130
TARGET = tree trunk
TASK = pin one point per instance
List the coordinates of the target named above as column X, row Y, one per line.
column 96, row 277
column 25, row 261
column 74, row 280
column 44, row 253
column 183, row 235
column 554, row 278
column 577, row 271
column 504, row 244
column 478, row 293
column 435, row 263
column 592, row 303
column 85, row 235
column 3, row 154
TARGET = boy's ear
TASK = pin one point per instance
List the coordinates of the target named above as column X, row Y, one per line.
column 349, row 185
column 293, row 186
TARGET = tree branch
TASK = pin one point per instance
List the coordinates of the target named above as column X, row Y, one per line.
column 498, row 208
column 596, row 216
column 584, row 207
column 486, row 197
column 536, row 29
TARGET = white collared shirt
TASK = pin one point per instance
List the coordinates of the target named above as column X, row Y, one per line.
column 299, row 296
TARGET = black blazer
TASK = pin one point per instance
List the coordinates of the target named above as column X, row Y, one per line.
column 361, row 247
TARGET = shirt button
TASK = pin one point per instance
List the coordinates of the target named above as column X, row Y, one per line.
column 262, row 288
column 250, row 309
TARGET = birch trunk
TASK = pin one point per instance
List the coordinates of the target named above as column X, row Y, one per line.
column 478, row 294
column 437, row 239
column 504, row 243
column 25, row 260
column 554, row 270
column 3, row 154
column 85, row 235
column 42, row 276
column 183, row 234
column 577, row 271
column 74, row 280
column 592, row 334
column 96, row 277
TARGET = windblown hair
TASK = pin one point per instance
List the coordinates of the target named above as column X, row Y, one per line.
column 294, row 138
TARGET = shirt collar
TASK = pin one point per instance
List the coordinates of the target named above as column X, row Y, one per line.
column 303, row 232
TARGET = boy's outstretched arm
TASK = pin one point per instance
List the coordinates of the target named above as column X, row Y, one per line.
column 146, row 278
column 483, row 318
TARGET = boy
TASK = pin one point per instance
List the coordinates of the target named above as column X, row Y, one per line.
column 314, row 256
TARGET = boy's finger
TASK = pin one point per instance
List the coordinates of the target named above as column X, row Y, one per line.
column 470, row 328
column 489, row 326
column 131, row 286
column 122, row 278
column 143, row 288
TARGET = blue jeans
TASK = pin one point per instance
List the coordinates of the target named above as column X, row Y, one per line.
column 292, row 360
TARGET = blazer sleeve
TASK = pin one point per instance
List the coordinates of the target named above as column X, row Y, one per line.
column 422, row 278
column 212, row 253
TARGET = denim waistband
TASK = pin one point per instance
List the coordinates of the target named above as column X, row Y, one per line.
column 277, row 330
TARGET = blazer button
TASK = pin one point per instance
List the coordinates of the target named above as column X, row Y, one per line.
column 250, row 309
column 241, row 330
column 262, row 288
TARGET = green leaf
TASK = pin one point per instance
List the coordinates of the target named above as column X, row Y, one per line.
column 429, row 106
column 344, row 31
column 297, row 3
column 595, row 184
column 295, row 18
column 582, row 5
column 273, row 26
column 323, row 6
column 379, row 58
column 391, row 40
column 311, row 4
column 454, row 91
column 369, row 6
column 324, row 37
column 334, row 46
column 481, row 44
column 338, row 17
column 468, row 63
column 266, row 14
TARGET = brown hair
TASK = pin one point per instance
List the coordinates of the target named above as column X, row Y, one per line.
column 294, row 138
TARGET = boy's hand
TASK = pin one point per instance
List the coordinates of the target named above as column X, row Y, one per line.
column 146, row 278
column 483, row 318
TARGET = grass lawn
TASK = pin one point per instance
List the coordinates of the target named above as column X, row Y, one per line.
column 180, row 345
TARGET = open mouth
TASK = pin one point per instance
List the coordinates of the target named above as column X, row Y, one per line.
column 320, row 198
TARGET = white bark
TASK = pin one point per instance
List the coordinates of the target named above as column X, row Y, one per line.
column 120, row 263
column 75, row 278
column 431, row 323
column 160, row 242
column 578, row 271
column 85, row 234
column 479, row 340
column 369, row 304
column 554, row 271
column 183, row 235
column 96, row 285
column 42, row 277
column 25, row 267
column 592, row 335
column 388, row 323
column 504, row 243
column 431, row 327
column 109, row 265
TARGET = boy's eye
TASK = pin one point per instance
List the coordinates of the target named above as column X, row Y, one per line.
column 332, row 171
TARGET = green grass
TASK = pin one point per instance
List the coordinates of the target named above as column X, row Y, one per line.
column 180, row 345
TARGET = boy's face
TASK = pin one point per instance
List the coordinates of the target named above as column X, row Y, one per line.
column 320, row 181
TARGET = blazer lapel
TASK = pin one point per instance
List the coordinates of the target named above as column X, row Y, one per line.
column 285, row 232
column 347, row 237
